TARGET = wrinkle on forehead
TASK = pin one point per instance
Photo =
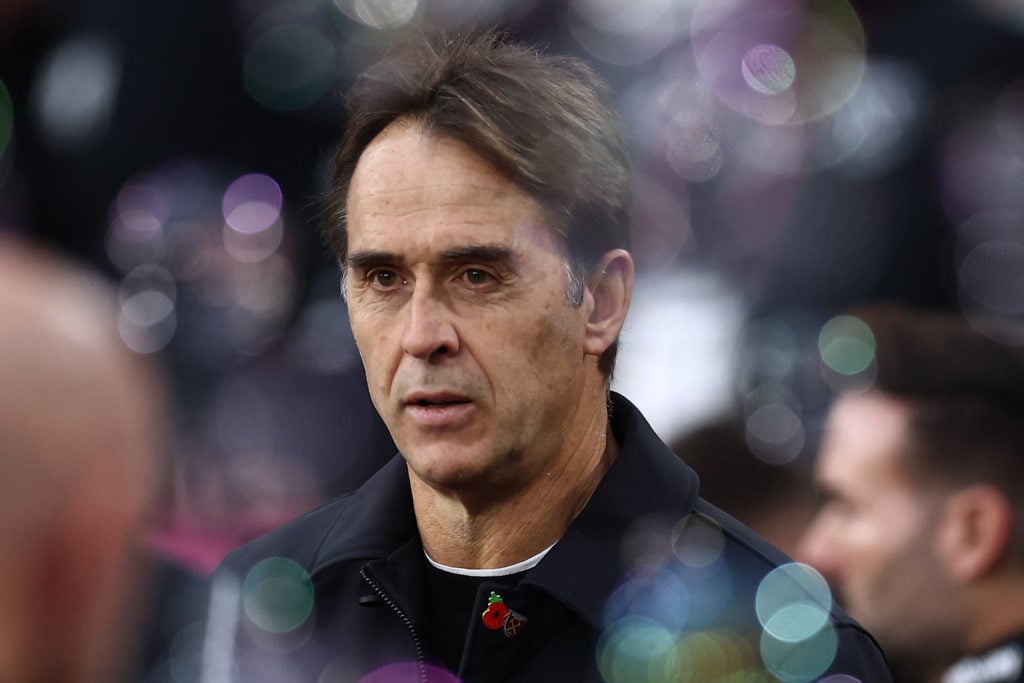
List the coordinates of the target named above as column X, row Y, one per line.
column 408, row 173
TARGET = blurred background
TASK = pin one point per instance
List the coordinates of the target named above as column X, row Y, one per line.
column 792, row 159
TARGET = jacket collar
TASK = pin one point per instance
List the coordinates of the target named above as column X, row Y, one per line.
column 646, row 480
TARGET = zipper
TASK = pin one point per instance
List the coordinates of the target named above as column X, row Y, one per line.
column 420, row 658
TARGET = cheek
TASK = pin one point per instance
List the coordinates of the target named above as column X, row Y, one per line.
column 559, row 330
column 552, row 351
column 375, row 340
column 884, row 540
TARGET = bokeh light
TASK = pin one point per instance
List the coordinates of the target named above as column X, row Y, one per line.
column 658, row 595
column 717, row 655
column 846, row 345
column 184, row 657
column 983, row 164
column 793, row 602
column 223, row 240
column 147, row 318
column 289, row 67
column 775, row 150
column 693, row 149
column 135, row 236
column 803, row 661
column 775, row 433
column 253, row 247
column 780, row 62
column 73, row 100
column 697, row 541
column 749, row 676
column 380, row 14
column 991, row 277
column 647, row 542
column 990, row 255
column 772, row 348
column 637, row 650
column 880, row 126
column 768, row 69
column 773, row 424
column 403, row 672
column 625, row 34
column 253, row 228
column 252, row 203
column 277, row 595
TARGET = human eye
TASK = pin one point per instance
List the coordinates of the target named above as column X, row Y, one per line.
column 477, row 276
column 383, row 279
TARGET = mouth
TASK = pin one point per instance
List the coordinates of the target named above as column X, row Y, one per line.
column 436, row 400
column 439, row 411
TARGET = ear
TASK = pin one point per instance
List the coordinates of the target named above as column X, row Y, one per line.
column 977, row 524
column 609, row 291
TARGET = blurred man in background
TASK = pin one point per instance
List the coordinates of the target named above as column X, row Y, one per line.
column 921, row 528
column 80, row 439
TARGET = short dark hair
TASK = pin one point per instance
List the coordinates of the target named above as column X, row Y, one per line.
column 544, row 121
column 964, row 392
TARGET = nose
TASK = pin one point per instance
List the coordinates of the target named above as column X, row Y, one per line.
column 429, row 327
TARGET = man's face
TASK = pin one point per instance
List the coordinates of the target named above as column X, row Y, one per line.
column 876, row 535
column 456, row 296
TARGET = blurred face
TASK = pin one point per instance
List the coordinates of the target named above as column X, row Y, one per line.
column 876, row 535
column 456, row 296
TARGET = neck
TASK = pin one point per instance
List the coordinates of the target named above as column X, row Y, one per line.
column 463, row 532
column 995, row 613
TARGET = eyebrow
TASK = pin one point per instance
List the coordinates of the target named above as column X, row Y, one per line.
column 364, row 260
column 483, row 253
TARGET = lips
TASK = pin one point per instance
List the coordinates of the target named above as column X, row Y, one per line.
column 435, row 400
column 438, row 409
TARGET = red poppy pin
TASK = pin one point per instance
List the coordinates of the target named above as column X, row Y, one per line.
column 498, row 615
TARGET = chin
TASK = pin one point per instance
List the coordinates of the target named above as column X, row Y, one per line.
column 443, row 470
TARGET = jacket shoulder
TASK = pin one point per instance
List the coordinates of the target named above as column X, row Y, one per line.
column 775, row 582
column 299, row 540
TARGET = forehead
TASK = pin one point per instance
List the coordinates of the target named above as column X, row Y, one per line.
column 412, row 186
column 865, row 442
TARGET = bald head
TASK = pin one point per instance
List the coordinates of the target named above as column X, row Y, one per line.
column 80, row 441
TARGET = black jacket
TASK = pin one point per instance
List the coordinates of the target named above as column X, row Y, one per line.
column 650, row 582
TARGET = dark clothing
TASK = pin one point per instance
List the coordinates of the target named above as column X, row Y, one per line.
column 649, row 578
column 1003, row 663
column 449, row 608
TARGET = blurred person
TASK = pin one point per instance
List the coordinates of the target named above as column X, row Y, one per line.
column 921, row 526
column 81, row 433
column 775, row 500
column 480, row 209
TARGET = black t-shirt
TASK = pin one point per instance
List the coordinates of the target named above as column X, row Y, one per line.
column 451, row 602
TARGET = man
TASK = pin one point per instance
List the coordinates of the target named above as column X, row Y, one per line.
column 80, row 441
column 920, row 528
column 534, row 528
